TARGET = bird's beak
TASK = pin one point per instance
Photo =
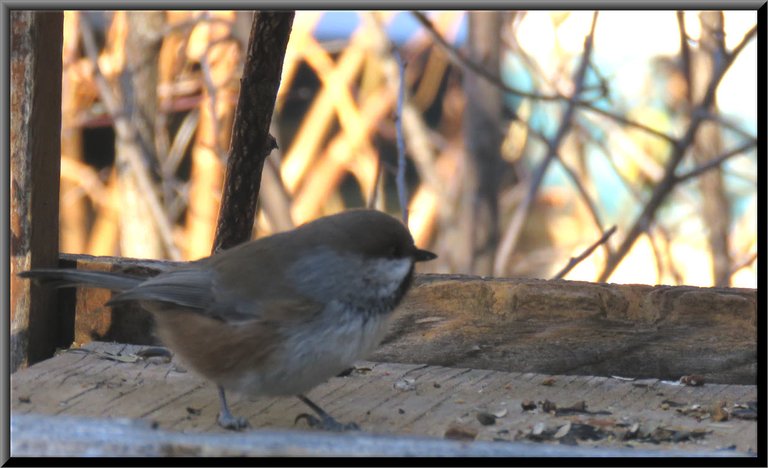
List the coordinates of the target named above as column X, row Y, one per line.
column 420, row 255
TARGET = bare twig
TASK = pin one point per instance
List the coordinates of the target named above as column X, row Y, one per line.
column 512, row 234
column 716, row 162
column 126, row 131
column 462, row 61
column 180, row 143
column 587, row 252
column 745, row 263
column 685, row 55
column 591, row 207
column 375, row 189
column 625, row 121
column 402, row 190
column 668, row 183
column 416, row 131
column 459, row 59
column 211, row 90
column 668, row 252
column 657, row 257
column 585, row 197
column 730, row 125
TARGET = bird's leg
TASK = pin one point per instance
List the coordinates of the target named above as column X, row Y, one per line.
column 225, row 419
column 325, row 420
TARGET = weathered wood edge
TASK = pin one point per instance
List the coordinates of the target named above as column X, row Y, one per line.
column 87, row 437
column 521, row 325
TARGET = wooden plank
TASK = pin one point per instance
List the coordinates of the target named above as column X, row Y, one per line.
column 386, row 399
column 35, row 133
column 78, row 437
column 576, row 327
column 526, row 325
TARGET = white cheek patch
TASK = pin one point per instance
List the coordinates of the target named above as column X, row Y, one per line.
column 386, row 275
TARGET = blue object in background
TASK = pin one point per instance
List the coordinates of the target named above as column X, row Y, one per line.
column 337, row 25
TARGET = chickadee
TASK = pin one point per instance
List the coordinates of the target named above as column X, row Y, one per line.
column 278, row 315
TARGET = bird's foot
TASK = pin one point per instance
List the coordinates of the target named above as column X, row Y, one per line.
column 227, row 421
column 326, row 423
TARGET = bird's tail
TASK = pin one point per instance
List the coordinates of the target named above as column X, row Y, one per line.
column 66, row 277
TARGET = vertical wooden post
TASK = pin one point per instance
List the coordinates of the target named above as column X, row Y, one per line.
column 35, row 133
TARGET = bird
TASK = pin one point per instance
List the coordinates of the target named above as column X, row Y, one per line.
column 278, row 315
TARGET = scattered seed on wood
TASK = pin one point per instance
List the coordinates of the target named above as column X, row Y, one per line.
column 486, row 419
column 155, row 352
column 692, row 380
column 626, row 379
column 25, row 399
column 602, row 422
column 578, row 408
column 456, row 432
column 672, row 404
column 548, row 406
column 719, row 412
column 500, row 413
column 564, row 429
column 587, row 432
column 400, row 411
column 744, row 414
column 548, row 382
column 528, row 405
column 194, row 411
column 405, row 384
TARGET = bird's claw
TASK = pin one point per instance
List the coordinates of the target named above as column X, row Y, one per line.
column 232, row 423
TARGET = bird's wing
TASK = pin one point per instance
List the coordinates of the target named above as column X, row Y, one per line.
column 201, row 290
column 186, row 287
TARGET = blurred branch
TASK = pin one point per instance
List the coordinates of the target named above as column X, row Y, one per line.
column 127, row 132
column 402, row 190
column 373, row 196
column 415, row 130
column 85, row 178
column 307, row 144
column 584, row 196
column 576, row 260
column 274, row 198
column 716, row 162
column 656, row 257
column 348, row 112
column 212, row 92
column 726, row 123
column 668, row 252
column 745, row 263
column 514, row 229
column 459, row 59
column 625, row 121
column 325, row 176
column 685, row 55
column 590, row 204
column 678, row 151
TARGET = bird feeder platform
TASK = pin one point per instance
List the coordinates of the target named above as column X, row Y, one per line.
column 109, row 399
